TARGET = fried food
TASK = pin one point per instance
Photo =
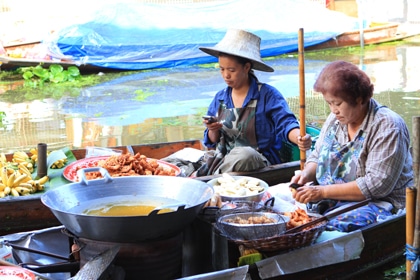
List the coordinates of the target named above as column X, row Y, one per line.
column 130, row 165
column 297, row 218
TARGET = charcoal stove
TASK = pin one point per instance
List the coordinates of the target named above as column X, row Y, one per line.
column 49, row 252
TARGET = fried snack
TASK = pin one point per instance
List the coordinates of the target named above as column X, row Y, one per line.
column 130, row 165
column 251, row 220
column 297, row 218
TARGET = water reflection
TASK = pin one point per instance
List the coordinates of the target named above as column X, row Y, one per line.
column 166, row 105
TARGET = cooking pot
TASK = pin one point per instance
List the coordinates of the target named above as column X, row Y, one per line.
column 185, row 196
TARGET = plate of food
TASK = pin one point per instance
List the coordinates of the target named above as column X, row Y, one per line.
column 11, row 272
column 121, row 165
column 239, row 188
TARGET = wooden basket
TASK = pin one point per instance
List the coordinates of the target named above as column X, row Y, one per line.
column 285, row 242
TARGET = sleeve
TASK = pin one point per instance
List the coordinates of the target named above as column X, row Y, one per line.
column 212, row 111
column 383, row 159
column 278, row 110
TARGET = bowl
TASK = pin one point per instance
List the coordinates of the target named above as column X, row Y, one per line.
column 226, row 192
column 230, row 227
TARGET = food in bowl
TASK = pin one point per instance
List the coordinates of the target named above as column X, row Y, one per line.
column 231, row 188
column 252, row 225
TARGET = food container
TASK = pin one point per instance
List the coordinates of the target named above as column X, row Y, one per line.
column 12, row 272
column 250, row 231
column 69, row 204
column 218, row 184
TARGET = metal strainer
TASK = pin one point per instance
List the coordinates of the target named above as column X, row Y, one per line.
column 250, row 225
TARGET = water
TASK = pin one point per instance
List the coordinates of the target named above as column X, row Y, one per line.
column 167, row 105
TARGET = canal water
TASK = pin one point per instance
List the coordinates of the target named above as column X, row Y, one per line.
column 167, row 104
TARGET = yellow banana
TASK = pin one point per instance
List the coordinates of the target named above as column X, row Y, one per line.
column 33, row 151
column 2, row 194
column 3, row 157
column 43, row 180
column 39, row 187
column 11, row 179
column 7, row 190
column 22, row 190
column 4, row 175
column 20, row 154
column 2, row 187
column 19, row 179
column 24, row 169
column 10, row 171
column 14, row 192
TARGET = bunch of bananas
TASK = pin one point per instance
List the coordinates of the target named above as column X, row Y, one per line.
column 56, row 165
column 59, row 163
column 19, row 182
column 34, row 155
column 22, row 158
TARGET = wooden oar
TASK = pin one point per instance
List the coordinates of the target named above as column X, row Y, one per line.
column 302, row 93
column 412, row 274
column 328, row 216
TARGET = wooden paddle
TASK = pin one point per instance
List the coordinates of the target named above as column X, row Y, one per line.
column 328, row 216
column 302, row 93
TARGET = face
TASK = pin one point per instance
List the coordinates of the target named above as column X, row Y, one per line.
column 234, row 73
column 345, row 113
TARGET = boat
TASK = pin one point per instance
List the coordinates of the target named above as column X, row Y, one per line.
column 376, row 33
column 366, row 249
column 28, row 213
column 127, row 37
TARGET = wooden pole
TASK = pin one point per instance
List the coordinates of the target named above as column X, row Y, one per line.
column 410, row 220
column 302, row 92
column 412, row 274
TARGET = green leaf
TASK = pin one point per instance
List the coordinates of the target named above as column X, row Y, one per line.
column 56, row 68
column 73, row 71
column 27, row 75
column 41, row 73
column 58, row 78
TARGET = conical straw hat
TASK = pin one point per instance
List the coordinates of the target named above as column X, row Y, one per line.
column 240, row 43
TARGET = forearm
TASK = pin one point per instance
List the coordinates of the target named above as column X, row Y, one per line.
column 214, row 135
column 346, row 191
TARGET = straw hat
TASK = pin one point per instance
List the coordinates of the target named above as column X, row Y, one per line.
column 240, row 43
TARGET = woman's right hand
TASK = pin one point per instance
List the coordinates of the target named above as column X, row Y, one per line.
column 306, row 175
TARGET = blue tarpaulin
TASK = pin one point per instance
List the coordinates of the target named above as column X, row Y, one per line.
column 143, row 36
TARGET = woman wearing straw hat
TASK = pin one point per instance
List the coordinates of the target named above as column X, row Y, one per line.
column 251, row 119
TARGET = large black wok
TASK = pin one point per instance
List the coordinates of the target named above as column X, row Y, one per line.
column 68, row 202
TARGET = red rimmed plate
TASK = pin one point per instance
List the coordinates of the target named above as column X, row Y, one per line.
column 70, row 171
column 11, row 272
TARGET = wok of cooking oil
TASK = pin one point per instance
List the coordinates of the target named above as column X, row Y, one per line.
column 125, row 210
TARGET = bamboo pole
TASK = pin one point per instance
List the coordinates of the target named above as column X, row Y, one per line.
column 302, row 92
column 412, row 274
column 410, row 220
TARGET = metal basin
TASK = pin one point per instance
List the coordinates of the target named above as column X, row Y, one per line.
column 250, row 231
column 69, row 204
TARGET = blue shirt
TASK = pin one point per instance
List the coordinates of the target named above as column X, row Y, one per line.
column 274, row 119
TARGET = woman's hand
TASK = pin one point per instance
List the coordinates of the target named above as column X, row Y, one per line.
column 306, row 193
column 212, row 125
column 213, row 130
column 304, row 143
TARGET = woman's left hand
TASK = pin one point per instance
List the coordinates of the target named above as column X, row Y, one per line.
column 307, row 194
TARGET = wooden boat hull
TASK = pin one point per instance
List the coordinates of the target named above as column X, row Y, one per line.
column 372, row 35
column 383, row 243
